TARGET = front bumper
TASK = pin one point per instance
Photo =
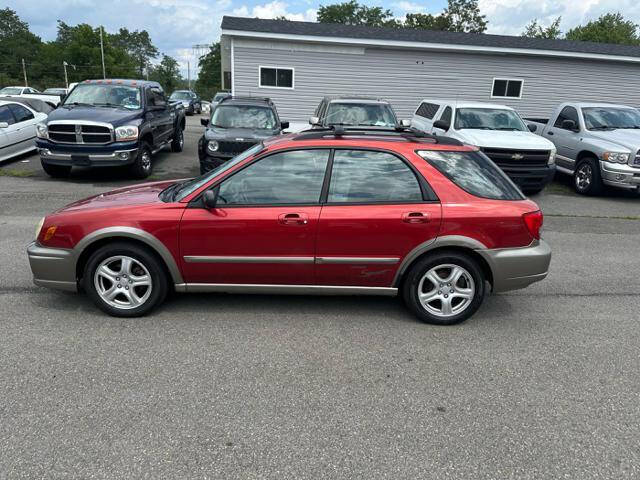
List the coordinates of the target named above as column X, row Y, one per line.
column 111, row 155
column 53, row 267
column 620, row 175
column 515, row 268
column 530, row 178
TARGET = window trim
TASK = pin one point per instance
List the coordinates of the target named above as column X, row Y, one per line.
column 276, row 68
column 493, row 84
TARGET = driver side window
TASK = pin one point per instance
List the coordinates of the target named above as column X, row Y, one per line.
column 286, row 178
column 567, row 113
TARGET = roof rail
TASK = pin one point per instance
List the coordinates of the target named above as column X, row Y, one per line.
column 409, row 133
column 246, row 97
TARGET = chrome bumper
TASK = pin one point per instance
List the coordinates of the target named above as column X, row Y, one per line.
column 620, row 175
column 515, row 268
column 53, row 267
column 111, row 159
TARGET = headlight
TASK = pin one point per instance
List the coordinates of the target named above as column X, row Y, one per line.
column 39, row 227
column 552, row 156
column 615, row 157
column 126, row 133
column 212, row 146
column 42, row 131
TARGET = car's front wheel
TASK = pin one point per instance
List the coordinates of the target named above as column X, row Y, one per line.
column 141, row 167
column 586, row 178
column 445, row 288
column 177, row 143
column 125, row 280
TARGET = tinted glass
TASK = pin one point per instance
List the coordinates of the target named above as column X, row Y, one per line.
column 268, row 77
column 446, row 115
column 5, row 115
column 105, row 95
column 293, row 177
column 243, row 116
column 567, row 113
column 21, row 113
column 600, row 118
column 475, row 173
column 427, row 110
column 361, row 176
column 285, row 78
column 499, row 88
column 513, row 88
column 365, row 114
column 488, row 119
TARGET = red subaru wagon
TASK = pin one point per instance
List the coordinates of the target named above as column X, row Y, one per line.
column 318, row 212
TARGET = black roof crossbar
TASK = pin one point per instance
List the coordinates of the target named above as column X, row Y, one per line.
column 408, row 133
column 246, row 98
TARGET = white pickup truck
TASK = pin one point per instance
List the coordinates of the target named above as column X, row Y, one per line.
column 498, row 130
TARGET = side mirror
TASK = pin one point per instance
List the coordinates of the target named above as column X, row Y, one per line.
column 405, row 123
column 532, row 128
column 4, row 125
column 569, row 125
column 210, row 198
column 284, row 125
column 314, row 121
column 204, row 122
column 441, row 124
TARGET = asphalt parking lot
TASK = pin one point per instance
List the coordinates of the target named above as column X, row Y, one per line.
column 541, row 383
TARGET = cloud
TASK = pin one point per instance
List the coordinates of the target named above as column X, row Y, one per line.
column 409, row 7
column 275, row 9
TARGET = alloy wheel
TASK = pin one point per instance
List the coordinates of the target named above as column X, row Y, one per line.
column 123, row 282
column 446, row 290
column 584, row 176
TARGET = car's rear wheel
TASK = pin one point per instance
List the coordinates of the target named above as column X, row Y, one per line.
column 125, row 280
column 586, row 178
column 141, row 167
column 445, row 288
column 56, row 171
column 177, row 144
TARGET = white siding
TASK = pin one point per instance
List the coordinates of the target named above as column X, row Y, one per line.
column 404, row 77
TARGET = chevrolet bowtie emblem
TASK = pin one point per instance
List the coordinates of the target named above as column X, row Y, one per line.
column 517, row 156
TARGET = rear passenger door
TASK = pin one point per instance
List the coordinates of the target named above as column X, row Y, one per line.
column 377, row 210
column 24, row 129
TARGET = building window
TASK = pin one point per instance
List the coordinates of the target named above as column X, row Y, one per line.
column 276, row 77
column 506, row 88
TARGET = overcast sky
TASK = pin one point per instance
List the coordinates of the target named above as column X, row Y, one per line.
column 176, row 25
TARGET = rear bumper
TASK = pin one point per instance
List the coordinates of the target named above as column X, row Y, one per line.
column 620, row 176
column 530, row 179
column 53, row 267
column 111, row 155
column 515, row 268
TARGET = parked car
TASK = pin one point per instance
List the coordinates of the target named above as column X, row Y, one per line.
column 206, row 107
column 190, row 101
column 18, row 91
column 106, row 123
column 328, row 211
column 499, row 132
column 217, row 97
column 236, row 124
column 33, row 103
column 598, row 144
column 17, row 128
column 28, row 92
column 55, row 91
column 354, row 111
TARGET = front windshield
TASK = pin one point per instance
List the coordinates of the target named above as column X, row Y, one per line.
column 105, row 96
column 11, row 91
column 219, row 96
column 601, row 118
column 54, row 91
column 488, row 119
column 360, row 114
column 243, row 116
column 180, row 96
column 194, row 184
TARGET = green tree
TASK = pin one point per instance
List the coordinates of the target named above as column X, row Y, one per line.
column 426, row 21
column 465, row 16
column 138, row 45
column 16, row 43
column 353, row 13
column 535, row 30
column 609, row 28
column 209, row 78
column 167, row 74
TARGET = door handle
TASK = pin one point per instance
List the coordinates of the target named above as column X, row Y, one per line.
column 549, row 133
column 416, row 217
column 293, row 219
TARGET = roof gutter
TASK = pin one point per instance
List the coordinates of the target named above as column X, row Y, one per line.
column 430, row 46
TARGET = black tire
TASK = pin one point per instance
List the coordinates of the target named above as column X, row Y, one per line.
column 159, row 280
column 177, row 143
column 532, row 191
column 56, row 171
column 467, row 307
column 586, row 177
column 142, row 166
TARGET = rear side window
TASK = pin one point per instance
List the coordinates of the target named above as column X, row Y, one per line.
column 361, row 176
column 5, row 115
column 21, row 113
column 427, row 110
column 475, row 173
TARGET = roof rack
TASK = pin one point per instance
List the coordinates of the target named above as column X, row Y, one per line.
column 409, row 133
column 247, row 98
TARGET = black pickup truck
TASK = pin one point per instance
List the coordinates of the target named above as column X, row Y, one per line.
column 106, row 123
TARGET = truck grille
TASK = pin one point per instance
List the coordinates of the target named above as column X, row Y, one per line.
column 517, row 158
column 234, row 147
column 80, row 133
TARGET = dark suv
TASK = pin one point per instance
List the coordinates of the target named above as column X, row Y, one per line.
column 354, row 111
column 189, row 100
column 236, row 124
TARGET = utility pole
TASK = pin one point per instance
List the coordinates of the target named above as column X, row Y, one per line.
column 104, row 74
column 189, row 74
column 24, row 72
column 66, row 79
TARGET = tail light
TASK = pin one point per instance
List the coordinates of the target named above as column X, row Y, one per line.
column 533, row 221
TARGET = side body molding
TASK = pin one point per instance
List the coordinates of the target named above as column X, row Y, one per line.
column 136, row 234
column 439, row 242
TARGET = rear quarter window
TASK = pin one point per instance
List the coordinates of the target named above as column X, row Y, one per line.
column 475, row 173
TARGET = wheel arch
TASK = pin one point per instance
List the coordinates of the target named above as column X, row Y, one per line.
column 99, row 238
column 453, row 243
column 585, row 154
